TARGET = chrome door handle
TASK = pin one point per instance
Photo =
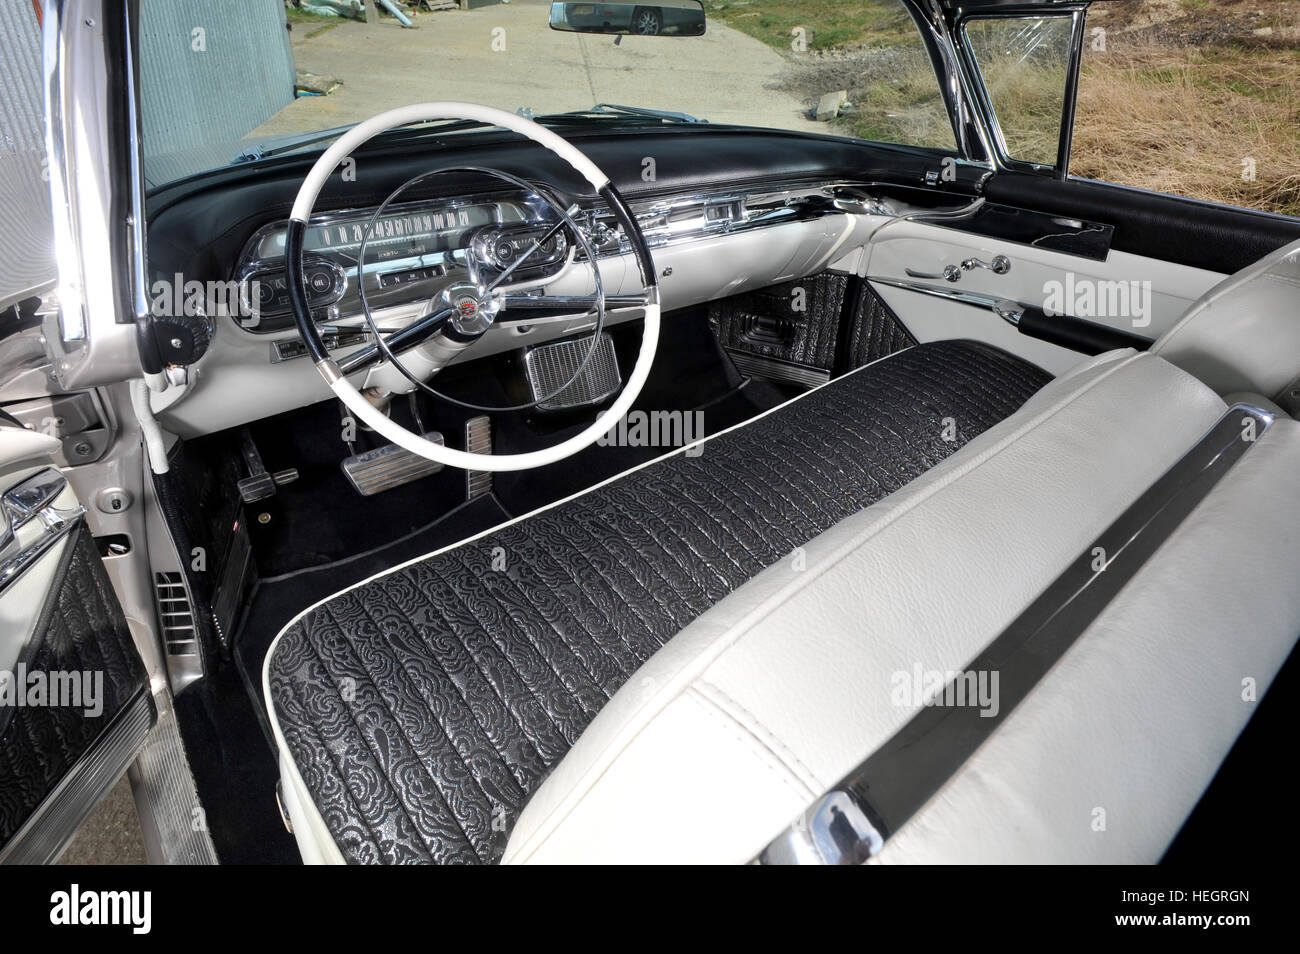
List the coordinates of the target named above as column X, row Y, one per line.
column 32, row 501
column 951, row 273
column 999, row 266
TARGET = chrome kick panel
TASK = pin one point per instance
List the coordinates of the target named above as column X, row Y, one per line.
column 759, row 366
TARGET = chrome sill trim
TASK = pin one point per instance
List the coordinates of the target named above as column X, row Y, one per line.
column 44, row 836
column 853, row 821
column 762, row 366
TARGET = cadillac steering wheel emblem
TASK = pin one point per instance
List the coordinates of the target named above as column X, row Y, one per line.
column 470, row 313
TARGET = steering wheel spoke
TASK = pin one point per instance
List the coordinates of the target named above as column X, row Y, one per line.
column 416, row 333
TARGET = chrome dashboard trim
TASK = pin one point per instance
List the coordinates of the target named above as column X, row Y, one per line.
column 668, row 221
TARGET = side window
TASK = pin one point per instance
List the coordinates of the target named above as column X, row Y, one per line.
column 1023, row 63
column 1199, row 99
column 860, row 67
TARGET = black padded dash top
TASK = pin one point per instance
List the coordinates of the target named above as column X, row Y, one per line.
column 423, row 708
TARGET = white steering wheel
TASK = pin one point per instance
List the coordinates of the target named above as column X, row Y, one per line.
column 364, row 410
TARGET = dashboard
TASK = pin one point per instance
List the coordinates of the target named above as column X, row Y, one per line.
column 712, row 233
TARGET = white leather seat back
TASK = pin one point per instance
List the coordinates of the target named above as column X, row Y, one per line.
column 772, row 696
column 1243, row 335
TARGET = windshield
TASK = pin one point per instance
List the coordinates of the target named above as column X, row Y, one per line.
column 235, row 81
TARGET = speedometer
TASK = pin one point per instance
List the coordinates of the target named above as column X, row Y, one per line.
column 414, row 231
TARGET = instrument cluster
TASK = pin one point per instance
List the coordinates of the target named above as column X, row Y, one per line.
column 406, row 250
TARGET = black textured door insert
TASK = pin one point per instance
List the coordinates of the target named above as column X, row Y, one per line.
column 81, row 632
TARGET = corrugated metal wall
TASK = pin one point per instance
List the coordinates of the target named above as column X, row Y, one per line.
column 200, row 89
column 26, row 243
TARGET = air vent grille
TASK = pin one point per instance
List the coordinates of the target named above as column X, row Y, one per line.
column 176, row 615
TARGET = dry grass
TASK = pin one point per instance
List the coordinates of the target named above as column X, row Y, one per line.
column 1184, row 94
column 1027, row 100
column 828, row 23
column 1184, row 121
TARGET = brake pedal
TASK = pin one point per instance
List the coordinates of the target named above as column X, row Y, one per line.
column 478, row 440
column 387, row 467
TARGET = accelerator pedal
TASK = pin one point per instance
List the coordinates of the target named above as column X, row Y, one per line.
column 387, row 467
column 478, row 440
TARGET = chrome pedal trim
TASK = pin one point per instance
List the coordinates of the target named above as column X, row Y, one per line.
column 387, row 467
column 478, row 440
column 759, row 366
column 548, row 366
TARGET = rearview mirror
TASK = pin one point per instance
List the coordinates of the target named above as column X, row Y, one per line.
column 666, row 18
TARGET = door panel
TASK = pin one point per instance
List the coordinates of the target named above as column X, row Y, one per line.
column 75, row 706
column 1037, row 276
column 1152, row 225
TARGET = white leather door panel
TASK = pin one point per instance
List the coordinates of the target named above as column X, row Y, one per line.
column 1158, row 292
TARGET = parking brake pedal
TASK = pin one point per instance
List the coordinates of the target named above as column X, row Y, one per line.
column 387, row 467
column 260, row 484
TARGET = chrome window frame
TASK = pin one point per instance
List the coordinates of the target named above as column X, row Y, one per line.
column 101, row 334
column 1076, row 13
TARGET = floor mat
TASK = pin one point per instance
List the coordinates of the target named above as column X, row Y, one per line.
column 277, row 600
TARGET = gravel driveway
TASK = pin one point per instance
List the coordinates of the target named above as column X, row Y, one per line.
column 508, row 56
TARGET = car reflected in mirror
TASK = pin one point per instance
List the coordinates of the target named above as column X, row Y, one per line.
column 667, row 18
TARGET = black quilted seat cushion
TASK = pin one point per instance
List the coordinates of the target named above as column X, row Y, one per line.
column 424, row 707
